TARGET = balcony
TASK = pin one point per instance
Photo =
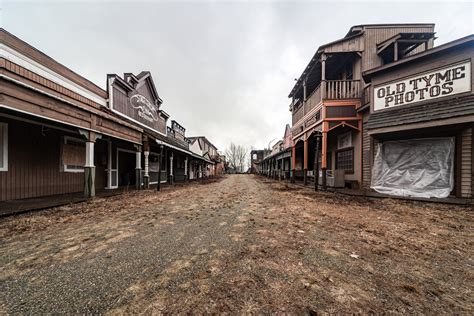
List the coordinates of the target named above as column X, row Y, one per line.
column 342, row 89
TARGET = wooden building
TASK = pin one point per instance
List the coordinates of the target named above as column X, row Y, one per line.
column 277, row 163
column 418, row 124
column 62, row 134
column 327, row 126
column 55, row 127
column 202, row 146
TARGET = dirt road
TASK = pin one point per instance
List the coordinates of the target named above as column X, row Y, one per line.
column 240, row 244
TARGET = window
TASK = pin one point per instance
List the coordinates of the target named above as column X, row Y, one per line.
column 344, row 140
column 73, row 154
column 3, row 147
column 345, row 160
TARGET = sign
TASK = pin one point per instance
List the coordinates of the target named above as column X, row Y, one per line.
column 443, row 82
column 144, row 108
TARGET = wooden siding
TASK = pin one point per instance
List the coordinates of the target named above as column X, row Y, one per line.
column 34, row 167
column 297, row 115
column 121, row 103
column 376, row 35
column 36, row 103
column 313, row 100
column 354, row 44
column 48, row 84
column 366, row 158
column 466, row 163
column 41, row 58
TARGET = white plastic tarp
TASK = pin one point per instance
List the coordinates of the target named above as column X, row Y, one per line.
column 415, row 167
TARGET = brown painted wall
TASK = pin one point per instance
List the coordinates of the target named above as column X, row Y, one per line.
column 34, row 167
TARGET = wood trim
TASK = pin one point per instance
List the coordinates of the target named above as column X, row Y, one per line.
column 35, row 87
column 4, row 152
column 40, row 81
column 34, row 54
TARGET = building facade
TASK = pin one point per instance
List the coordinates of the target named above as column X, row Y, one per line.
column 327, row 126
column 418, row 125
column 62, row 134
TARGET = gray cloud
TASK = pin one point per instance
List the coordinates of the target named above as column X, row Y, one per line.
column 223, row 69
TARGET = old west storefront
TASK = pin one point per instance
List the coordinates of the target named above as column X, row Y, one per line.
column 55, row 129
column 419, row 131
column 327, row 98
column 166, row 156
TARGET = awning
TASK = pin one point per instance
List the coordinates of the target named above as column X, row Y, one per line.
column 190, row 153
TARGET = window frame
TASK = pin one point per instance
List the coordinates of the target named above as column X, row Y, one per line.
column 353, row 159
column 4, row 150
column 64, row 166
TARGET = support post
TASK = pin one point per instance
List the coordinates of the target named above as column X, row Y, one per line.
column 186, row 169
column 304, row 97
column 171, row 169
column 316, row 163
column 138, row 168
column 293, row 163
column 324, row 158
column 160, row 156
column 146, row 176
column 89, row 168
column 146, row 173
column 323, row 76
column 395, row 51
column 305, row 162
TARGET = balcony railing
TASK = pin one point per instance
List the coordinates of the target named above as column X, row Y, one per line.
column 342, row 89
column 334, row 90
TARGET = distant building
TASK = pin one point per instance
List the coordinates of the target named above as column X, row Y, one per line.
column 256, row 156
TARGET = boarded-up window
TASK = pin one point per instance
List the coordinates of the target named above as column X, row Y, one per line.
column 3, row 147
column 73, row 155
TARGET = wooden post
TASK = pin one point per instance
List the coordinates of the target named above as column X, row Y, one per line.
column 160, row 156
column 305, row 162
column 146, row 177
column 138, row 168
column 89, row 167
column 171, row 168
column 304, row 97
column 395, row 51
column 293, row 163
column 186, row 169
column 316, row 163
column 146, row 154
column 324, row 158
column 323, row 76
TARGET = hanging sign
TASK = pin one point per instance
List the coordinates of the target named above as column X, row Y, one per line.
column 442, row 82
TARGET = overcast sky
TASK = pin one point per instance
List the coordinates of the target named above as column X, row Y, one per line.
column 223, row 69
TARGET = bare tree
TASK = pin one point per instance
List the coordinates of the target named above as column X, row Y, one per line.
column 236, row 156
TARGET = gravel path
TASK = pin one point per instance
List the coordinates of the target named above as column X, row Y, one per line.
column 233, row 245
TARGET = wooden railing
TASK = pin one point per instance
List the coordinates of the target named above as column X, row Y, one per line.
column 342, row 89
column 313, row 99
column 298, row 114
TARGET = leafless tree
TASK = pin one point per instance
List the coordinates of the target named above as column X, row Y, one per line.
column 236, row 156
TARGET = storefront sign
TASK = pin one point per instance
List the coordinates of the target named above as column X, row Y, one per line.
column 436, row 84
column 144, row 108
